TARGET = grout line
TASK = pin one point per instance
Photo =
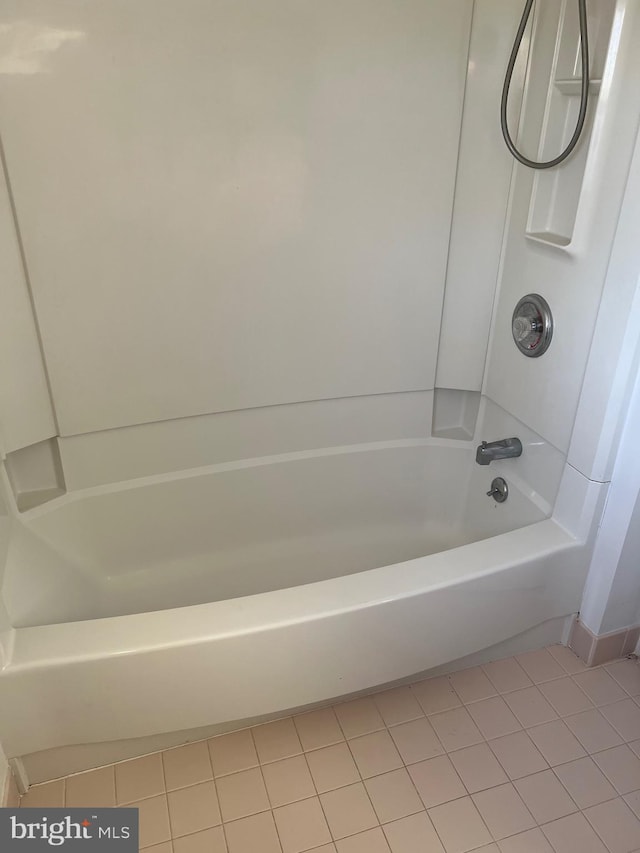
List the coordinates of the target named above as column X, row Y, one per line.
column 315, row 788
column 166, row 798
column 215, row 790
column 272, row 807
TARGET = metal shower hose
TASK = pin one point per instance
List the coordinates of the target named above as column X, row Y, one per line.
column 584, row 91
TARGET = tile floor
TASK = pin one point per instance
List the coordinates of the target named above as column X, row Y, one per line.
column 533, row 754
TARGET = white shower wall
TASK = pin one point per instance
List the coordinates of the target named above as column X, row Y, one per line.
column 232, row 205
column 544, row 392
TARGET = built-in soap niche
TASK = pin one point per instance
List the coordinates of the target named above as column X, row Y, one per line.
column 455, row 413
column 556, row 192
column 35, row 473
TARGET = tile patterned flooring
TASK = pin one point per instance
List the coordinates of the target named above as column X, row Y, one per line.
column 532, row 754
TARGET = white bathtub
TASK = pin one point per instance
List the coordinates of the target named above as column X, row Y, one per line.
column 243, row 589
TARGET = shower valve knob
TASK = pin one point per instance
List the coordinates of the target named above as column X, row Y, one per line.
column 532, row 325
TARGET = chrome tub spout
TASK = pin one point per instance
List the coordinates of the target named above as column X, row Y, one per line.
column 505, row 448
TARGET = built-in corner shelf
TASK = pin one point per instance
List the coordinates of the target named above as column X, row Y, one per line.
column 35, row 474
column 573, row 86
column 455, row 413
column 556, row 192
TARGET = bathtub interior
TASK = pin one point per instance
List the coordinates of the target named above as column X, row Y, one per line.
column 228, row 531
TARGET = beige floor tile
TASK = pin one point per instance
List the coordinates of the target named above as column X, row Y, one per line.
column 348, row 811
column 50, row 795
column 435, row 695
column 540, row 666
column 567, row 659
column 375, row 753
column 233, row 752
column 96, row 788
column 478, row 768
column 139, row 778
column 565, row 696
column 414, row 834
column 507, row 675
column 633, row 801
column 187, row 765
column 242, row 794
column 416, row 740
column 288, row 780
column 573, row 834
column 556, row 743
column 253, row 834
column 616, row 825
column 193, row 809
column 207, row 841
column 621, row 766
column 530, row 707
column 593, row 731
column 544, row 796
column 318, row 728
column 165, row 847
column 359, row 717
column 393, row 795
column 372, row 841
column 425, row 800
column 332, row 767
column 276, row 740
column 460, row 826
column 531, row 841
column 518, row 755
column 471, row 685
column 455, row 729
column 398, row 706
column 585, row 782
column 599, row 686
column 301, row 826
column 436, row 781
column 493, row 717
column 627, row 674
column 503, row 811
column 624, row 716
column 153, row 817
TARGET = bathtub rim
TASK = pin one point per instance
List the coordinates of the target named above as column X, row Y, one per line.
column 140, row 633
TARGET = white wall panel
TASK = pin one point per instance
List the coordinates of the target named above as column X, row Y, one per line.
column 112, row 455
column 482, row 192
column 615, row 353
column 232, row 204
column 26, row 415
column 544, row 392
